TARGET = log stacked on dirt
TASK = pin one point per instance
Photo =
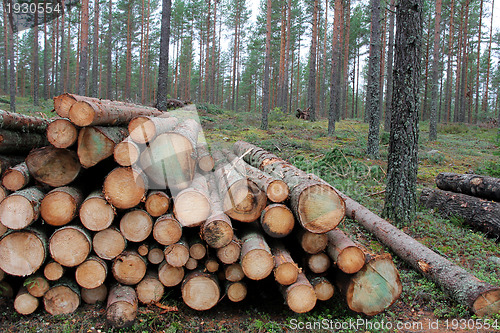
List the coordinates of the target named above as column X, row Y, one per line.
column 346, row 255
column 470, row 184
column 122, row 306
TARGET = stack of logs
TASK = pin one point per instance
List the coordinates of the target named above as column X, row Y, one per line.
column 126, row 201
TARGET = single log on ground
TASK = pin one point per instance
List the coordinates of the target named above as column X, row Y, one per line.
column 300, row 296
column 60, row 206
column 53, row 271
column 256, row 257
column 277, row 220
column 234, row 272
column 316, row 205
column 91, row 273
column 7, row 161
column 192, row 205
column 285, row 269
column 205, row 161
column 53, row 166
column 70, row 245
column 90, row 112
column 64, row 102
column 322, row 287
column 236, row 291
column 61, row 133
column 144, row 129
column 14, row 259
column 143, row 249
column 92, row 296
column 25, row 303
column 481, row 297
column 476, row 185
column 16, row 177
column 22, row 123
column 98, row 143
column 169, row 275
column 312, row 243
column 200, row 291
column 19, row 143
column 125, row 187
column 156, row 255
column 150, row 290
column 127, row 152
column 344, row 252
column 374, row 288
column 109, row 243
column 129, row 268
column 122, row 306
column 478, row 213
column 96, row 213
column 230, row 253
column 62, row 298
column 36, row 285
column 217, row 230
column 167, row 230
column 177, row 254
column 136, row 225
column 21, row 208
column 157, row 203
column 191, row 264
column 318, row 263
column 197, row 248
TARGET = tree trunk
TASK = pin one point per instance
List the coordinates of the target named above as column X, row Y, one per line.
column 205, row 160
column 96, row 213
column 23, row 123
column 485, row 103
column 53, row 166
column 286, row 270
column 125, row 187
column 478, row 213
column 435, row 74
column 346, row 255
column 129, row 268
column 167, row 230
column 267, row 61
column 300, row 296
column 200, row 291
column 121, row 310
column 311, row 88
column 62, row 298
column 136, row 225
column 256, row 257
column 390, row 59
column 162, row 92
column 16, row 177
column 197, row 248
column 84, row 42
column 97, row 143
column 21, row 208
column 91, row 273
column 479, row 186
column 19, row 142
column 60, row 206
column 109, row 243
column 93, row 296
column 15, row 260
column 150, row 290
column 466, row 289
column 36, row 67
column 277, row 220
column 192, row 205
column 144, row 129
column 157, row 203
column 109, row 83
column 128, row 52
column 70, row 245
column 94, row 87
column 9, row 161
column 12, row 65
column 61, row 133
column 217, row 230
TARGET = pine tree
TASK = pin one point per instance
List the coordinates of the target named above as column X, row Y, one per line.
column 435, row 74
column 83, row 53
column 162, row 92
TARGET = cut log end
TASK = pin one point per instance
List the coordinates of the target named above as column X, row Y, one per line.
column 15, row 260
column 351, row 260
column 313, row 243
column 277, row 220
column 124, row 187
column 91, row 273
column 96, row 213
column 37, row 286
column 320, row 208
column 53, row 271
column 318, row 263
column 236, row 292
column 122, row 306
column 16, row 212
column 286, row 274
column 244, row 201
column 218, row 233
column 169, row 275
column 25, row 303
column 323, row 288
column 81, row 114
column 197, row 251
column 136, row 225
column 257, row 264
column 191, row 208
column 488, row 303
column 61, row 300
column 277, row 191
column 150, row 290
column 156, row 256
column 200, row 291
column 58, row 208
column 61, row 133
column 63, row 103
column 129, row 268
column 300, row 296
column 157, row 203
column 14, row 180
column 234, row 273
column 53, row 166
column 206, row 163
column 167, row 230
column 108, row 243
column 142, row 129
column 177, row 254
column 126, row 153
column 70, row 246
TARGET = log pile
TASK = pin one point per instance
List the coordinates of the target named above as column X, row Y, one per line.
column 125, row 202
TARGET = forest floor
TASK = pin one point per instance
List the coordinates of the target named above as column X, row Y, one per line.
column 340, row 160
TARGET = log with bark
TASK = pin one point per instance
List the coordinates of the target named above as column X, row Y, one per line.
column 478, row 213
column 316, row 205
column 230, row 253
column 346, row 255
column 91, row 273
column 61, row 133
column 136, row 225
column 25, row 303
column 217, row 230
column 476, row 185
column 211, row 264
column 96, row 213
column 16, row 177
column 20, row 209
column 322, row 287
column 205, row 161
column 144, row 129
column 191, row 264
column 7, row 161
column 62, row 298
column 70, row 245
column 156, row 255
column 236, row 291
column 121, row 309
column 200, row 291
column 256, row 257
column 92, row 296
column 60, row 206
column 22, row 123
column 300, row 296
column 167, row 230
column 312, row 243
column 177, row 254
column 286, row 270
column 127, row 152
column 109, row 243
column 52, row 166
column 317, row 263
column 192, row 205
column 150, row 290
column 19, row 143
column 125, row 187
column 481, row 297
column 97, row 143
column 64, row 102
column 143, row 249
column 197, row 248
column 233, row 272
column 129, row 268
column 157, row 203
column 36, row 285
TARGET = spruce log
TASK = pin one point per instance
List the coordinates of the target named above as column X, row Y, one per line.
column 374, row 288
column 318, row 263
column 285, row 269
column 322, row 287
column 7, row 161
column 167, row 230
column 19, row 143
column 53, row 166
column 64, row 102
column 230, row 253
column 277, row 220
column 96, row 213
column 25, row 303
column 122, row 306
column 300, row 296
column 136, row 225
column 70, row 245
column 205, row 161
column 14, row 259
column 200, row 291
column 91, row 273
column 61, row 133
column 217, row 230
column 60, row 206
column 481, row 297
column 16, row 177
column 157, row 203
column 92, row 296
column 156, row 255
column 476, row 185
column 97, row 143
column 236, row 291
column 36, row 285
column 234, row 272
column 177, row 254
column 192, row 205
column 143, row 249
column 22, row 123
column 53, row 271
column 316, row 205
column 109, row 243
column 312, row 243
column 197, row 248
column 344, row 252
column 90, row 112
column 144, row 129
column 256, row 257
column 129, row 268
column 150, row 290
column 191, row 264
column 169, row 275
column 478, row 213
column 21, row 208
column 62, row 298
column 127, row 152
column 125, row 187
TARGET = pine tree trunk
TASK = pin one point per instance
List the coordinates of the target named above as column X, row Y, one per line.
column 94, row 86
column 390, row 60
column 162, row 93
column 36, row 67
column 311, row 87
column 109, row 83
column 12, row 65
column 45, row 56
column 265, row 89
column 83, row 65
column 128, row 66
column 449, row 77
column 485, row 103
column 435, row 74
